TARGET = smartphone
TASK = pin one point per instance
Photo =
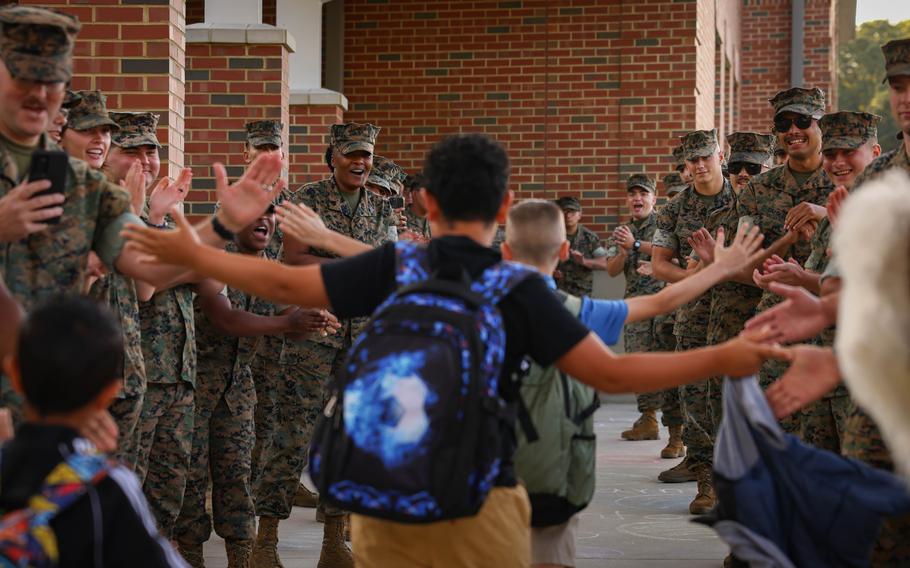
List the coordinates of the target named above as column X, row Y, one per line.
column 397, row 202
column 53, row 166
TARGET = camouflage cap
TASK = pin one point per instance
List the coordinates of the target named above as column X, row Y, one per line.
column 36, row 44
column 897, row 58
column 413, row 182
column 674, row 183
column 642, row 181
column 751, row 147
column 70, row 98
column 262, row 132
column 846, row 130
column 385, row 174
column 89, row 110
column 568, row 203
column 808, row 102
column 136, row 129
column 678, row 158
column 699, row 143
column 350, row 137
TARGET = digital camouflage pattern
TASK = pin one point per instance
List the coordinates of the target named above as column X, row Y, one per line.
column 88, row 111
column 351, row 137
column 636, row 284
column 420, row 226
column 136, row 129
column 263, row 132
column 847, row 130
column 751, row 147
column 642, row 181
column 267, row 375
column 670, row 399
column 698, row 401
column 699, row 144
column 386, row 173
column 576, row 279
column 673, row 184
column 897, row 57
column 168, row 336
column 37, row 44
column 679, row 158
column 808, row 102
column 165, row 446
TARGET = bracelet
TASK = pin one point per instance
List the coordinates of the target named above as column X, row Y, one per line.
column 221, row 230
column 154, row 226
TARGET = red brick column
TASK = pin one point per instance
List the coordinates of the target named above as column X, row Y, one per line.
column 309, row 137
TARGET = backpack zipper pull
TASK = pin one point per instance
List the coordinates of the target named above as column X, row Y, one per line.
column 330, row 406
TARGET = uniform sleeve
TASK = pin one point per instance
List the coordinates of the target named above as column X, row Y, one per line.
column 593, row 246
column 665, row 234
column 747, row 206
column 108, row 243
column 612, row 249
column 604, row 317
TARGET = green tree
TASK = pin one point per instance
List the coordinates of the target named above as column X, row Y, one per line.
column 861, row 68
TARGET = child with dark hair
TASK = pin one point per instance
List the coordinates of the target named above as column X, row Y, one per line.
column 68, row 366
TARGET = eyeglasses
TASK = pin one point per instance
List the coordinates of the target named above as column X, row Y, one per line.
column 783, row 124
column 751, row 169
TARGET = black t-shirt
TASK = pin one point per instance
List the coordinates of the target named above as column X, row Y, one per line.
column 536, row 323
column 125, row 528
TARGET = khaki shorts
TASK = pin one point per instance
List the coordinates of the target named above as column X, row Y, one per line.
column 498, row 536
column 556, row 544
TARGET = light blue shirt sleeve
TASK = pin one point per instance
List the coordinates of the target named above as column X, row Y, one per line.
column 604, row 317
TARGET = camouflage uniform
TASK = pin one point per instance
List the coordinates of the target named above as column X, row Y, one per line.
column 641, row 336
column 576, row 279
column 37, row 44
column 385, row 175
column 768, row 198
column 264, row 133
column 686, row 213
column 223, row 432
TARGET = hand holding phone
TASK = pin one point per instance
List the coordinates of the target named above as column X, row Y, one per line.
column 23, row 211
column 51, row 165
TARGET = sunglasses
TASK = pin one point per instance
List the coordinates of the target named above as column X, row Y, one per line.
column 751, row 169
column 782, row 124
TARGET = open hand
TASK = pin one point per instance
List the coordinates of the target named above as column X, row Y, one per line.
column 245, row 200
column 740, row 252
column 836, row 201
column 167, row 194
column 134, row 184
column 645, row 268
column 306, row 320
column 179, row 246
column 101, row 430
column 744, row 355
column 813, row 373
column 301, row 223
column 799, row 317
column 703, row 244
column 577, row 257
column 22, row 213
column 623, row 237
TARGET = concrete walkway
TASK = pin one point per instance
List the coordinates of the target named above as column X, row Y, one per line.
column 634, row 521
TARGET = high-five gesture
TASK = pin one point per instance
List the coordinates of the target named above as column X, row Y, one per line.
column 245, row 200
column 175, row 247
column 167, row 194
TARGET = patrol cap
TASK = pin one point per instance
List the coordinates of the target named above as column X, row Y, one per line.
column 808, row 102
column 847, row 130
column 136, row 129
column 88, row 109
column 568, row 203
column 674, row 184
column 678, row 158
column 262, row 132
column 385, row 174
column 351, row 137
column 36, row 44
column 699, row 144
column 413, row 182
column 897, row 58
column 642, row 181
column 751, row 147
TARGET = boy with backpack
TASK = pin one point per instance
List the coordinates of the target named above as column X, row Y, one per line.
column 555, row 457
column 418, row 436
column 62, row 502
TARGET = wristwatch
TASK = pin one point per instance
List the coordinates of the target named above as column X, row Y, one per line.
column 636, row 245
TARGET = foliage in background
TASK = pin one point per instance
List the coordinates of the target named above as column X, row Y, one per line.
column 861, row 68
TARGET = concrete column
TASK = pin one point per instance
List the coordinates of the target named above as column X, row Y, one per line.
column 233, row 12
column 303, row 20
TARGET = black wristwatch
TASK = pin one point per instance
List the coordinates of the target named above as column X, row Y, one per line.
column 221, row 230
column 636, row 245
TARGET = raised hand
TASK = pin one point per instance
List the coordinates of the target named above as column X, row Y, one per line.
column 245, row 200
column 22, row 213
column 703, row 244
column 167, row 194
column 836, row 201
column 812, row 374
column 738, row 255
column 134, row 184
column 301, row 223
column 644, row 268
column 577, row 257
column 176, row 247
column 623, row 237
column 799, row 317
column 101, row 430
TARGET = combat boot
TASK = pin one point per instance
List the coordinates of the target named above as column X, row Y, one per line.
column 192, row 553
column 675, row 447
column 238, row 552
column 305, row 497
column 704, row 500
column 265, row 549
column 679, row 473
column 645, row 428
column 335, row 552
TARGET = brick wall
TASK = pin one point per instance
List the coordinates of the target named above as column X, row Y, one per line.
column 582, row 93
column 227, row 86
column 309, row 137
column 133, row 52
column 821, row 51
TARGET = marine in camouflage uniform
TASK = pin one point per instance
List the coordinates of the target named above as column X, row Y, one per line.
column 576, row 279
column 417, row 225
column 686, row 213
column 641, row 336
column 383, row 182
column 119, row 291
column 768, row 198
column 36, row 45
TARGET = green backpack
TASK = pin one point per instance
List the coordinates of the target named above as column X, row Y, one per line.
column 556, row 443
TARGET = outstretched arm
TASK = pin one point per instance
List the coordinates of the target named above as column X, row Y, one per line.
column 303, row 225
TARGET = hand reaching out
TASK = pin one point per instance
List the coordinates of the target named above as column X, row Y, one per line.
column 645, row 268
column 244, row 201
column 813, row 373
column 740, row 252
column 836, row 201
column 799, row 317
column 703, row 244
column 167, row 194
column 176, row 247
column 301, row 223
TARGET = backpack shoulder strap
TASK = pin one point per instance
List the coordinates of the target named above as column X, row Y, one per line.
column 411, row 263
column 498, row 280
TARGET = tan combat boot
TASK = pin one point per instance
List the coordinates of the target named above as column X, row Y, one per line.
column 675, row 447
column 238, row 553
column 305, row 498
column 335, row 552
column 265, row 549
column 645, row 428
column 704, row 500
column 192, row 553
column 679, row 473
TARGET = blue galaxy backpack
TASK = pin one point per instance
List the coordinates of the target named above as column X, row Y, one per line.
column 413, row 429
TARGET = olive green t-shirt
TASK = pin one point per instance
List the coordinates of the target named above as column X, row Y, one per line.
column 20, row 155
column 352, row 199
column 801, row 177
